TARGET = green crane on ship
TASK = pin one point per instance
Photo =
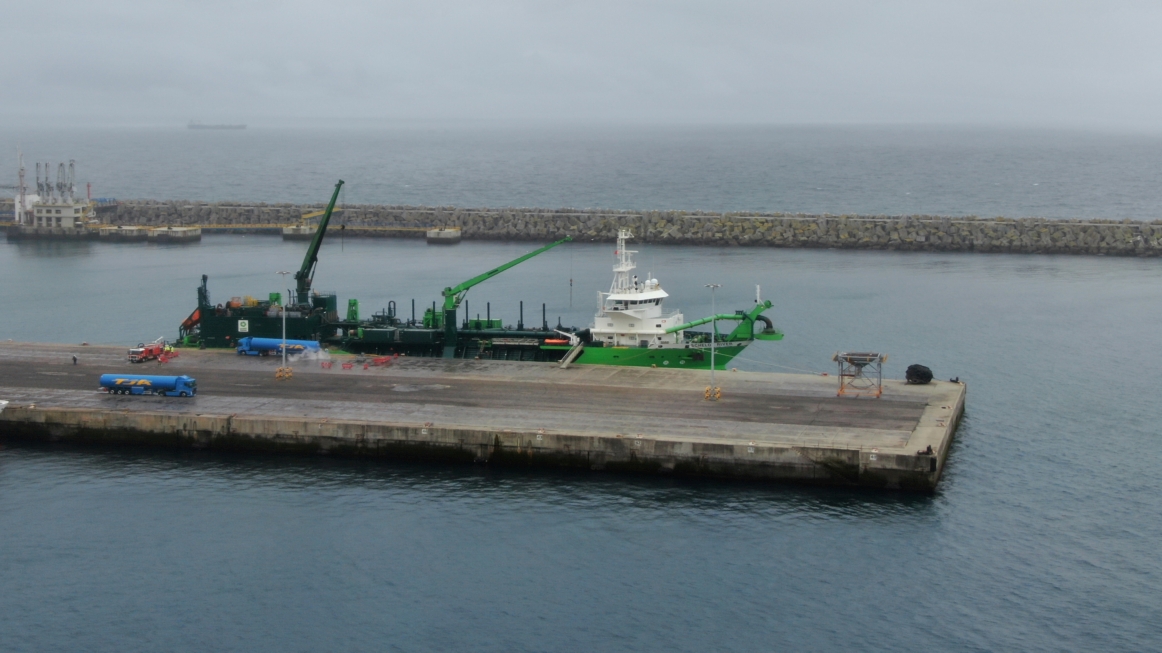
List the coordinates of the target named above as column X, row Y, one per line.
column 306, row 272
column 453, row 295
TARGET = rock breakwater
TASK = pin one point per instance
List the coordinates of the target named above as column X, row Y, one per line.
column 909, row 233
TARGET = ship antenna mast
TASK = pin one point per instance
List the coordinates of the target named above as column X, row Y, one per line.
column 18, row 213
column 625, row 264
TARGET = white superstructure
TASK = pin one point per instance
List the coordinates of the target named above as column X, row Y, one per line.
column 631, row 313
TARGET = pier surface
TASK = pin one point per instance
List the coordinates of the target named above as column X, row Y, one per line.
column 772, row 426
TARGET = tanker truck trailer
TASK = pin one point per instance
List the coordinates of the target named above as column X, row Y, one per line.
column 147, row 384
column 265, row 346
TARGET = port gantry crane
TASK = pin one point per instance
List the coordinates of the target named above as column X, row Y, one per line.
column 306, row 273
column 455, row 294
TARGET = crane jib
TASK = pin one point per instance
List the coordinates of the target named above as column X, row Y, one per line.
column 306, row 273
column 453, row 296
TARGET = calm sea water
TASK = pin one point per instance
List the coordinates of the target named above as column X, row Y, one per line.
column 947, row 171
column 1042, row 537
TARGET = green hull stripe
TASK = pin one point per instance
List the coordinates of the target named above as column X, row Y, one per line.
column 644, row 357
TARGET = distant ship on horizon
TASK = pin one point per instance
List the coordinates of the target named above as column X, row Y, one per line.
column 197, row 125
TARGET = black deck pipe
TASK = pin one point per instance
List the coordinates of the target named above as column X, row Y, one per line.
column 488, row 313
column 413, row 312
column 520, row 325
column 544, row 319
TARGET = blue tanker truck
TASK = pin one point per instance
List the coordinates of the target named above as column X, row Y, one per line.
column 266, row 346
column 147, row 384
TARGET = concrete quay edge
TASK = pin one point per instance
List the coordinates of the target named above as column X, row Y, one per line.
column 888, row 467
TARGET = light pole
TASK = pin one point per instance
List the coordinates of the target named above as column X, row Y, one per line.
column 713, row 331
column 283, row 311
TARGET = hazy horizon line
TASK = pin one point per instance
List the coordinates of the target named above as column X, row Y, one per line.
column 396, row 124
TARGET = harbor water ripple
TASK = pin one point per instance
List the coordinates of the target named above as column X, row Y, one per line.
column 1042, row 536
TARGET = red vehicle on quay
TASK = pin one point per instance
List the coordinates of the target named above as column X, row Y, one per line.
column 156, row 350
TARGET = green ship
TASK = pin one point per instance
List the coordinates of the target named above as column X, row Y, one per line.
column 630, row 328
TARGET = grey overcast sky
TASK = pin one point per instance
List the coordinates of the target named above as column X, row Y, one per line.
column 1086, row 64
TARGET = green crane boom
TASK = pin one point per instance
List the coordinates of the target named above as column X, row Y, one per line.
column 454, row 295
column 745, row 329
column 306, row 273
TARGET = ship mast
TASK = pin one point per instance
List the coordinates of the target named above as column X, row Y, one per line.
column 22, row 202
column 624, row 265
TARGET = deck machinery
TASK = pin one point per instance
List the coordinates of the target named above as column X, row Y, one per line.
column 313, row 315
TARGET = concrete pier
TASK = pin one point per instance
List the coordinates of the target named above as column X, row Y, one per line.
column 175, row 235
column 24, row 232
column 443, row 236
column 123, row 234
column 779, row 427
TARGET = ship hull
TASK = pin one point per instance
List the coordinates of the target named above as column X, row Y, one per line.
column 695, row 358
